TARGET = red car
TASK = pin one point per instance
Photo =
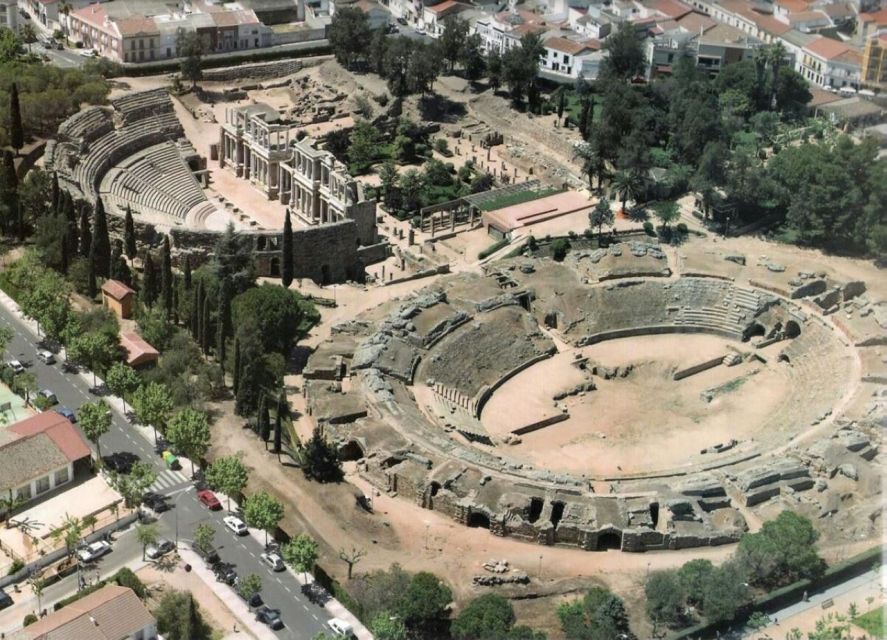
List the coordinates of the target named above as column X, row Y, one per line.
column 208, row 498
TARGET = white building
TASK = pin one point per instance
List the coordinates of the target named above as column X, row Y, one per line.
column 831, row 64
column 570, row 58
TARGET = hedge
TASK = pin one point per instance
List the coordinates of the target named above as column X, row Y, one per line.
column 493, row 248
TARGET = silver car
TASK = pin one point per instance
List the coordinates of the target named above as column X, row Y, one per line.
column 159, row 549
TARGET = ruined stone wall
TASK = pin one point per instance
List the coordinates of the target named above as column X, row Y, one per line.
column 364, row 215
column 262, row 70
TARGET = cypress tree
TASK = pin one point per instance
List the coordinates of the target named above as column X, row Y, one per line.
column 85, row 233
column 220, row 345
column 286, row 269
column 278, row 423
column 66, row 257
column 175, row 303
column 194, row 311
column 101, row 241
column 149, row 283
column 264, row 420
column 224, row 314
column 129, row 234
column 119, row 269
column 10, row 189
column 186, row 278
column 235, row 377
column 205, row 329
column 166, row 281
column 55, row 194
column 91, row 279
column 201, row 294
column 71, row 216
column 16, row 131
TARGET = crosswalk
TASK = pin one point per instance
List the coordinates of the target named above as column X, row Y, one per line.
column 167, row 480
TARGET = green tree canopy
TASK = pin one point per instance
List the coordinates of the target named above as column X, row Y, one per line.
column 229, row 475
column 277, row 313
column 95, row 421
column 263, row 511
column 782, row 552
column 348, row 34
column 179, row 618
column 599, row 615
column 425, row 605
column 301, row 553
column 188, row 432
column 487, row 616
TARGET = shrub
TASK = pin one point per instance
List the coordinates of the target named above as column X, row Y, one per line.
column 29, row 619
column 440, row 145
column 682, row 229
column 126, row 578
column 16, row 566
column 588, row 233
column 559, row 249
column 649, row 229
column 493, row 248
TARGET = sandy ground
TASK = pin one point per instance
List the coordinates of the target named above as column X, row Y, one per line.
column 614, row 428
column 170, row 575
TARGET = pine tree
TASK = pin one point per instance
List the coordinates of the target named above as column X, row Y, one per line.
column 129, row 234
column 85, row 233
column 235, row 374
column 101, row 241
column 166, row 281
column 16, row 131
column 278, row 423
column 149, row 281
column 186, row 278
column 286, row 269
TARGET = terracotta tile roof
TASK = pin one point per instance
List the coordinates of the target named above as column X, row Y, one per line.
column 111, row 613
column 94, row 14
column 838, row 10
column 234, row 18
column 671, row 8
column 135, row 26
column 826, row 48
column 447, row 7
column 850, row 56
column 770, row 24
column 879, row 17
column 63, row 434
column 808, row 16
column 116, row 289
column 694, row 22
column 793, row 5
column 563, row 45
column 138, row 351
column 28, row 458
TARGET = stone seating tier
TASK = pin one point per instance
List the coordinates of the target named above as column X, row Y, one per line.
column 137, row 106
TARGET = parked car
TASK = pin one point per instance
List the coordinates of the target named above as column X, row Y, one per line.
column 209, row 499
column 225, row 572
column 274, row 561
column 5, row 599
column 155, row 502
column 269, row 616
column 67, row 413
column 236, row 525
column 209, row 555
column 160, row 446
column 94, row 551
column 46, row 357
column 51, row 398
column 341, row 628
column 88, row 53
column 402, row 21
column 120, row 462
column 160, row 548
column 16, row 366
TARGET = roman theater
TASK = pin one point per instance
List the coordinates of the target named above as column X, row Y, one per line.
column 623, row 398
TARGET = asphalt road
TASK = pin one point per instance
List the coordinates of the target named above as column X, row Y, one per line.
column 302, row 619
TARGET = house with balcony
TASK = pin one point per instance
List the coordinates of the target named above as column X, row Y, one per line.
column 831, row 64
column 570, row 58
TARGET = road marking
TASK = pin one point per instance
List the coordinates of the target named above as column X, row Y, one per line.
column 314, row 615
column 287, row 589
column 305, row 606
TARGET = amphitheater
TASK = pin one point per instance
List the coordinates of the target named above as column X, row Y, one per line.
column 633, row 409
column 134, row 155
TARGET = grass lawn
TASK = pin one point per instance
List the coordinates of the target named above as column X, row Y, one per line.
column 520, row 197
column 872, row 622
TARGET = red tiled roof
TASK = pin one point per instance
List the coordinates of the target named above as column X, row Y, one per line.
column 770, row 24
column 65, row 435
column 693, row 22
column 671, row 8
column 879, row 17
column 446, row 7
column 793, row 5
column 564, row 45
column 139, row 351
column 116, row 289
column 826, row 48
column 136, row 25
column 234, row 18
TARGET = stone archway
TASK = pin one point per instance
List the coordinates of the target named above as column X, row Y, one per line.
column 478, row 519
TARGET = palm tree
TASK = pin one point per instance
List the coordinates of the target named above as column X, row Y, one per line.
column 775, row 57
column 594, row 165
column 627, row 185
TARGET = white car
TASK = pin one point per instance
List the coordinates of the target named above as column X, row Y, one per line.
column 88, row 53
column 16, row 366
column 46, row 357
column 159, row 548
column 237, row 526
column 341, row 628
column 94, row 551
column 274, row 561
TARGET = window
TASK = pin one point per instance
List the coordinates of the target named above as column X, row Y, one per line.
column 62, row 476
column 24, row 493
column 42, row 485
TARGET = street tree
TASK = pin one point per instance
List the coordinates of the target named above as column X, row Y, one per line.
column 228, row 475
column 782, row 552
column 96, row 350
column 248, row 586
column 133, row 485
column 122, row 380
column 147, row 534
column 667, row 212
column 451, row 41
column 204, row 535
column 301, row 553
column 488, row 616
column 47, row 300
column 68, row 533
column 25, row 384
column 95, row 421
column 152, row 404
column 263, row 511
column 188, row 432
